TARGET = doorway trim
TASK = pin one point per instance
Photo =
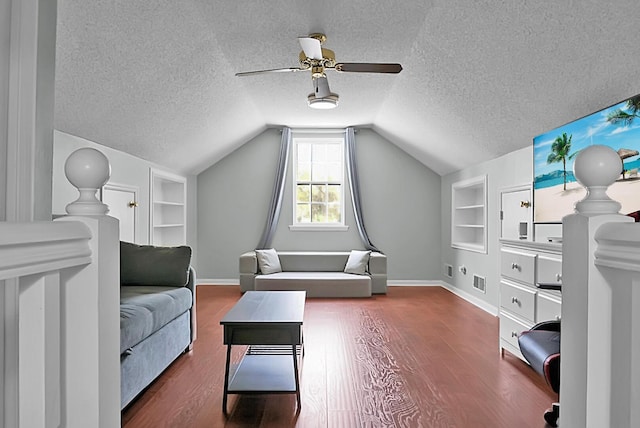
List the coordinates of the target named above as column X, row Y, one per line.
column 126, row 188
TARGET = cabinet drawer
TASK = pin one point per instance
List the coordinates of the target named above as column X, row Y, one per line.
column 548, row 308
column 510, row 329
column 549, row 270
column 518, row 266
column 518, row 300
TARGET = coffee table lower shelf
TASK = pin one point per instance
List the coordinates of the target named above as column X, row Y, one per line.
column 264, row 370
column 263, row 374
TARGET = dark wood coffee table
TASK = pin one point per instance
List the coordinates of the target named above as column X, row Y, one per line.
column 270, row 322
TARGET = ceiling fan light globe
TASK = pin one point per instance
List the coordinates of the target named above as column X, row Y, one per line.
column 324, row 103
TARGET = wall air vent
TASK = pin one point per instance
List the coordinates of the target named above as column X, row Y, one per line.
column 448, row 271
column 479, row 283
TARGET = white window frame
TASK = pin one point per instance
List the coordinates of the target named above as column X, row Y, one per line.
column 323, row 136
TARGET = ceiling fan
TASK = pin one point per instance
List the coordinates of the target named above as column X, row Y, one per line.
column 318, row 59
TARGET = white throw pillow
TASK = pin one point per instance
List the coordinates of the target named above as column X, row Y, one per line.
column 268, row 261
column 357, row 262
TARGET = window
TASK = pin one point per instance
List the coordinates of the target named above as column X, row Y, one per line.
column 318, row 190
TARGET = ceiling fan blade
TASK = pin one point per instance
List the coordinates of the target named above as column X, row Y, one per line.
column 321, row 86
column 363, row 67
column 311, row 47
column 273, row 70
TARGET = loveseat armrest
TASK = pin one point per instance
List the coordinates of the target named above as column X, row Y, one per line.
column 249, row 262
column 377, row 263
column 248, row 270
column 378, row 272
column 191, row 285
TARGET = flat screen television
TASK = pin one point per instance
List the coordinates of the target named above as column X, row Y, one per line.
column 555, row 190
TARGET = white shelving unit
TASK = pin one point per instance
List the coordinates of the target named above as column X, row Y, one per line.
column 469, row 214
column 168, row 209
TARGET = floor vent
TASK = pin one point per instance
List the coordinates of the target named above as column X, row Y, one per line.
column 479, row 283
column 448, row 271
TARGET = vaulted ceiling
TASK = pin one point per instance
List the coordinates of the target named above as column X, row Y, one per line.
column 156, row 78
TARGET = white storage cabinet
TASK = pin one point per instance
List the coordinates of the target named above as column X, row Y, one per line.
column 523, row 264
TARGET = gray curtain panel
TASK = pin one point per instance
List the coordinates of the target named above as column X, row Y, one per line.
column 354, row 186
column 278, row 192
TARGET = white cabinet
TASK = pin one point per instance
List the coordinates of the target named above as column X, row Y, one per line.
column 469, row 214
column 168, row 209
column 523, row 264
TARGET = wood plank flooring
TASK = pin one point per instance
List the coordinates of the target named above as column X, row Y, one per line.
column 417, row 357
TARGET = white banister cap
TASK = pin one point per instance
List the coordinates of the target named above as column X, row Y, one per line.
column 596, row 168
column 88, row 170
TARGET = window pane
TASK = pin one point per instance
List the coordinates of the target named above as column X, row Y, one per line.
column 318, row 213
column 334, row 214
column 303, row 213
column 303, row 193
column 304, row 152
column 334, row 153
column 304, row 172
column 334, row 172
column 334, row 193
column 319, row 193
column 319, row 153
column 319, row 172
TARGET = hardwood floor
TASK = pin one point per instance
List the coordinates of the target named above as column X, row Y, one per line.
column 417, row 357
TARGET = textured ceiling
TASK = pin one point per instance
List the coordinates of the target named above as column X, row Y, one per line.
column 155, row 78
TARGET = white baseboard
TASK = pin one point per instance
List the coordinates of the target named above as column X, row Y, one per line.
column 412, row 283
column 209, row 281
column 470, row 298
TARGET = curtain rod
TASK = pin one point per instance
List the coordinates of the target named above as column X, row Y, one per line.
column 322, row 130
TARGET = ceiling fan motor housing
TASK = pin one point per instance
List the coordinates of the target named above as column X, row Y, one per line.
column 328, row 60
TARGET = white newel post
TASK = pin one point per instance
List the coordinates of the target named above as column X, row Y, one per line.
column 586, row 390
column 91, row 303
column 618, row 258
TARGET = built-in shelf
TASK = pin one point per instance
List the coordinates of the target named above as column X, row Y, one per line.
column 168, row 203
column 168, row 208
column 469, row 214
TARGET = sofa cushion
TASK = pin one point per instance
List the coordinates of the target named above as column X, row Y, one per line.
column 151, row 265
column 268, row 261
column 146, row 309
column 357, row 262
column 317, row 284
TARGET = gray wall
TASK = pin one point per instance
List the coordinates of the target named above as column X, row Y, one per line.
column 510, row 170
column 400, row 197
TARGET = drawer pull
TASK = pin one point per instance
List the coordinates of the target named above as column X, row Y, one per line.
column 559, row 277
column 514, row 334
column 515, row 266
column 515, row 300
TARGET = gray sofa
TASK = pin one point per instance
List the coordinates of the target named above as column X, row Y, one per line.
column 157, row 312
column 319, row 273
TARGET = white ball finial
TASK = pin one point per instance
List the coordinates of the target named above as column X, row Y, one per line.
column 596, row 168
column 88, row 170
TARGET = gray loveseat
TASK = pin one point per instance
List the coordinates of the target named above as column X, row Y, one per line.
column 157, row 312
column 319, row 273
